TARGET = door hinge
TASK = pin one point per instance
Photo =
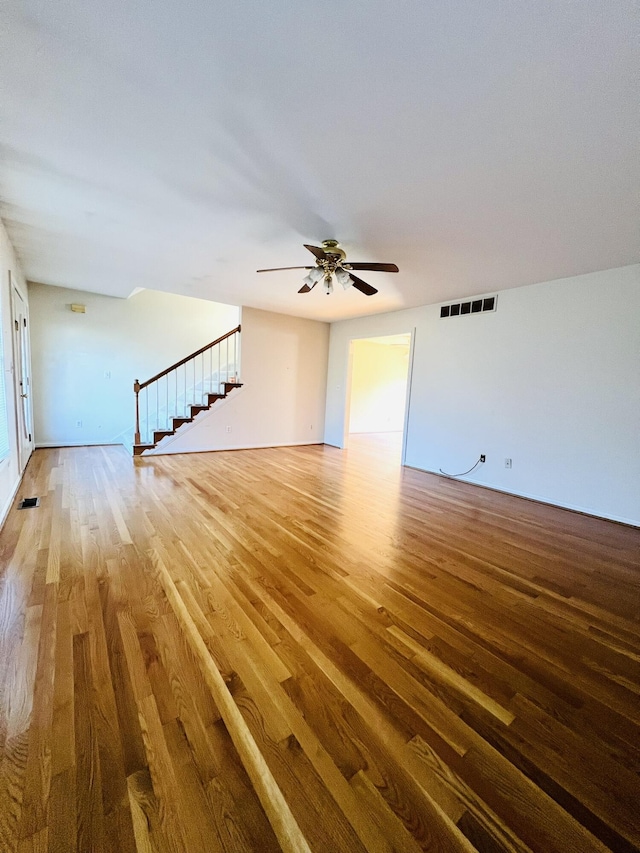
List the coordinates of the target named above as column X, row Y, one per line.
column 24, row 320
column 29, row 436
column 17, row 326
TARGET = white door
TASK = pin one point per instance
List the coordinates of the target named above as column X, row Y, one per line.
column 22, row 377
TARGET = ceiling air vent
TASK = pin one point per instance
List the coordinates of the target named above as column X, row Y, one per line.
column 473, row 306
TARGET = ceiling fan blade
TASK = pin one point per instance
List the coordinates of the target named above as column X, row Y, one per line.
column 306, row 289
column 277, row 269
column 375, row 267
column 317, row 251
column 362, row 286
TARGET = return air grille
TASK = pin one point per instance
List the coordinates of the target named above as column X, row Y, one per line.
column 473, row 306
column 29, row 503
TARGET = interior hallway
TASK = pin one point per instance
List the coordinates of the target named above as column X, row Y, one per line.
column 421, row 664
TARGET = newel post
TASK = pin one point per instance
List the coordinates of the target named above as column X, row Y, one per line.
column 136, row 437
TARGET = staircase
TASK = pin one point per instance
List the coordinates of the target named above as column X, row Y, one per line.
column 177, row 395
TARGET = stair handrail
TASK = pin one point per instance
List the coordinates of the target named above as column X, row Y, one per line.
column 187, row 358
column 139, row 386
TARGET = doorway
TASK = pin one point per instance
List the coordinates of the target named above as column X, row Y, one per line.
column 377, row 394
column 22, row 377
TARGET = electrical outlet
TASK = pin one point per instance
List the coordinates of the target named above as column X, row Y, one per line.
column 508, row 462
column 78, row 423
column 107, row 374
column 483, row 458
column 228, row 428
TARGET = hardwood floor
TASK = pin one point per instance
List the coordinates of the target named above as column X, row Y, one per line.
column 308, row 649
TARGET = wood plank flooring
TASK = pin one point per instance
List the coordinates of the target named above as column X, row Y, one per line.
column 308, row 649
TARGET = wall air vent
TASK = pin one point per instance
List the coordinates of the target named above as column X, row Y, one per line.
column 473, row 306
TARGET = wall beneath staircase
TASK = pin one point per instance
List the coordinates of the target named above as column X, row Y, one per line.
column 84, row 365
column 282, row 401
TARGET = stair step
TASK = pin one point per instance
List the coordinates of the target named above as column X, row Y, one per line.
column 139, row 449
column 195, row 409
column 227, row 387
column 178, row 422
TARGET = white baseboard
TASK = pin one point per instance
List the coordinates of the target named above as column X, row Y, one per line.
column 4, row 512
column 9, row 502
column 531, row 497
column 167, row 452
column 45, row 444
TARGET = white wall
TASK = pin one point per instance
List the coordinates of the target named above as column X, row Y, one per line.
column 10, row 473
column 284, row 371
column 551, row 380
column 128, row 338
column 378, row 386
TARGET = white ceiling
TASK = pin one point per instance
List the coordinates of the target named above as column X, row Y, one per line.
column 181, row 146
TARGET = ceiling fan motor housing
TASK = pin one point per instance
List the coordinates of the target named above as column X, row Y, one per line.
column 331, row 247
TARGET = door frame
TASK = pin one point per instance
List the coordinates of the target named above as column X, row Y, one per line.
column 347, row 395
column 21, row 369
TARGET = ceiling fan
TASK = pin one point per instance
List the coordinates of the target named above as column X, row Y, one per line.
column 331, row 262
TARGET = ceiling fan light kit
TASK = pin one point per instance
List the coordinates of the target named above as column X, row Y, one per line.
column 313, row 277
column 343, row 278
column 331, row 261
